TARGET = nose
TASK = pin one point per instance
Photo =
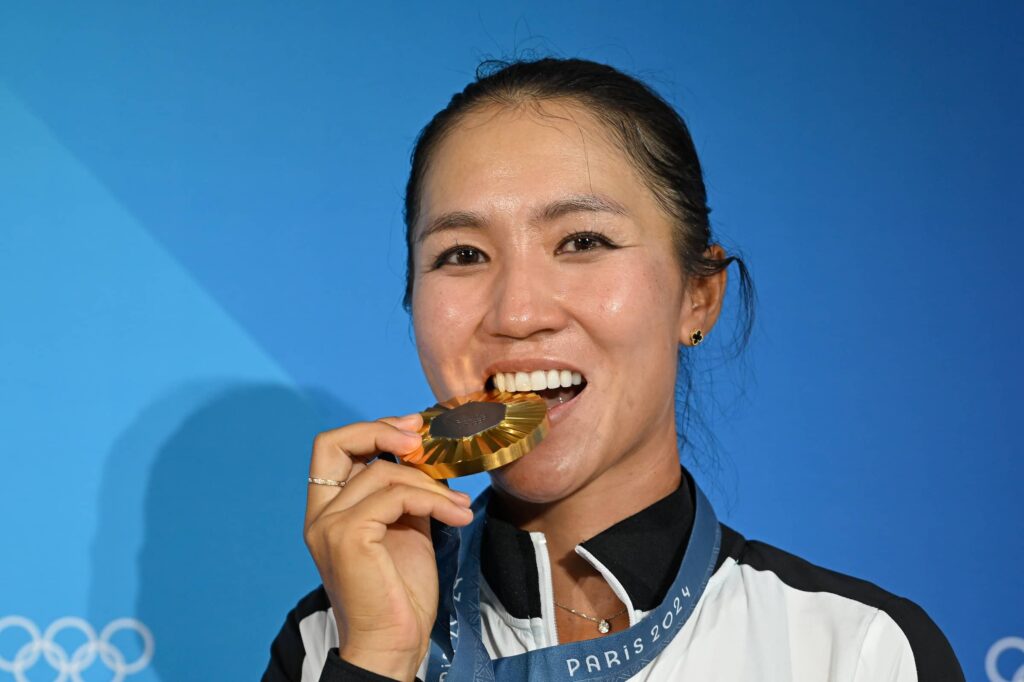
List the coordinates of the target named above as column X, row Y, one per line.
column 525, row 300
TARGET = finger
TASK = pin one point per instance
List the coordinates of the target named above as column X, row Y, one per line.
column 409, row 422
column 372, row 515
column 413, row 422
column 382, row 475
column 390, row 504
column 417, row 456
column 335, row 450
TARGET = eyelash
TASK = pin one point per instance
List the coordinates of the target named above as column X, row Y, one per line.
column 589, row 234
column 439, row 262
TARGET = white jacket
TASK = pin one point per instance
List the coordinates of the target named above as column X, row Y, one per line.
column 765, row 614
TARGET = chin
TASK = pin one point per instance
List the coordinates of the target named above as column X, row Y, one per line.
column 546, row 474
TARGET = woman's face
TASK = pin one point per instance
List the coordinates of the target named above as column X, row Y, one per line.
column 539, row 248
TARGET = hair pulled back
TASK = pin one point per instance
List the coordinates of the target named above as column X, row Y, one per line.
column 649, row 131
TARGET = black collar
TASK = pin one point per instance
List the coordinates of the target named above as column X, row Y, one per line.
column 642, row 551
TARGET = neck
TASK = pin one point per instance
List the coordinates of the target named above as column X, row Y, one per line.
column 635, row 481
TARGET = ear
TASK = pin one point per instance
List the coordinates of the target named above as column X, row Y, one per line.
column 702, row 300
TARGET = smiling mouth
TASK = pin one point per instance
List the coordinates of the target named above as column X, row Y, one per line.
column 556, row 387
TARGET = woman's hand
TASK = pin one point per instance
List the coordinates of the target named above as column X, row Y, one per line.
column 371, row 542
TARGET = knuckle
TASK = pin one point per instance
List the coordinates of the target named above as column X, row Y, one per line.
column 311, row 536
column 337, row 533
column 328, row 530
column 320, row 440
column 398, row 490
column 313, row 547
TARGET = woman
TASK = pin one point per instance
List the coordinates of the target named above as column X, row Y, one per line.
column 557, row 226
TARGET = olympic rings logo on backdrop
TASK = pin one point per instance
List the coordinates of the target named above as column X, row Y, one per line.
column 992, row 659
column 71, row 666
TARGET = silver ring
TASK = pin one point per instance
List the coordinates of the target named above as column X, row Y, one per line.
column 327, row 481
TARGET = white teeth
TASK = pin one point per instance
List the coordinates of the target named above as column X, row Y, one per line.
column 537, row 380
column 523, row 381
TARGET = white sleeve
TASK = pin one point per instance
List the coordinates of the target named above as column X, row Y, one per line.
column 421, row 673
column 885, row 654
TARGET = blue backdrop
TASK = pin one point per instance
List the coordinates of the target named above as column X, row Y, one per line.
column 201, row 265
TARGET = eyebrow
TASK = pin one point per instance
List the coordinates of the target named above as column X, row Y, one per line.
column 576, row 203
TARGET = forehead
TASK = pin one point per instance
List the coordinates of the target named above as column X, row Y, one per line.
column 509, row 159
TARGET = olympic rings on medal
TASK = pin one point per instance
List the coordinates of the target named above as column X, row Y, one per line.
column 71, row 667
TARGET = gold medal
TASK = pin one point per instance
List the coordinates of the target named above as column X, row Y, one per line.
column 479, row 432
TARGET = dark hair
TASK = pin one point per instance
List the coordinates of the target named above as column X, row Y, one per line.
column 649, row 130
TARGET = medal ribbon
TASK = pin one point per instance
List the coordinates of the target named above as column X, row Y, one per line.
column 457, row 652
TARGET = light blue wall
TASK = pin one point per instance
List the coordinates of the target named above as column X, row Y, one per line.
column 201, row 265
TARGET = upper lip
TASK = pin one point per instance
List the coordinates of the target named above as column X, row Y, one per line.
column 530, row 365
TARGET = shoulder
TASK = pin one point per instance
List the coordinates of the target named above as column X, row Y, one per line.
column 304, row 640
column 828, row 597
column 306, row 648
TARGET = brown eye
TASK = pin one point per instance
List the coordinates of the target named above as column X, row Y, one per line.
column 460, row 255
column 584, row 241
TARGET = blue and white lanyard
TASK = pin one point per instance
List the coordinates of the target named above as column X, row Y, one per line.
column 457, row 653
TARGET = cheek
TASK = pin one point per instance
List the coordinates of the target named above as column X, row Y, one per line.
column 630, row 315
column 630, row 303
column 444, row 317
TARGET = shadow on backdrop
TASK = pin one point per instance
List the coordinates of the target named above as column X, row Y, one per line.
column 200, row 525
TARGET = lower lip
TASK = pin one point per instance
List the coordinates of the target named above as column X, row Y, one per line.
column 558, row 412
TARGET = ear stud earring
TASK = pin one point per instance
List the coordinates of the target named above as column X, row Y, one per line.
column 696, row 337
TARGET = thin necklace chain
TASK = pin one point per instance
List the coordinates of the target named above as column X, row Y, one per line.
column 603, row 624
